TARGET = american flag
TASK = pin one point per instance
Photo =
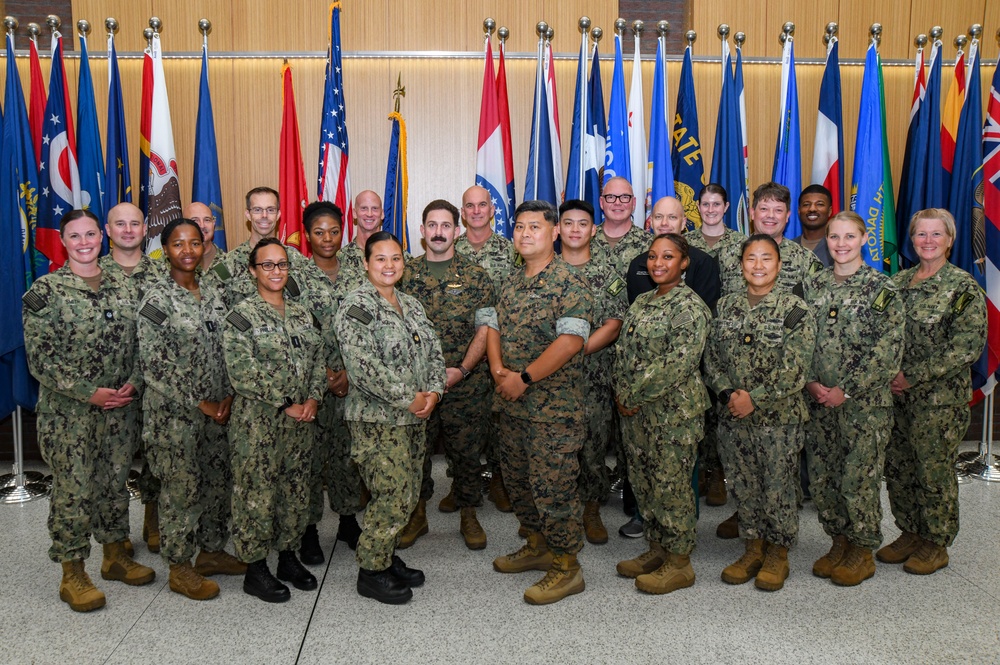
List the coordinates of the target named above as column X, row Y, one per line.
column 334, row 180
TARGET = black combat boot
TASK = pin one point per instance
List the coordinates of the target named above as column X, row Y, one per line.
column 383, row 586
column 310, row 552
column 290, row 569
column 349, row 531
column 259, row 582
column 411, row 577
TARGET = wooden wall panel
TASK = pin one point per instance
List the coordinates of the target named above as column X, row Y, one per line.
column 180, row 24
column 954, row 17
column 132, row 16
column 741, row 16
column 858, row 15
column 810, row 19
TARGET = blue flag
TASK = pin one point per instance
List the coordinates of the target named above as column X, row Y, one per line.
column 661, row 171
column 540, row 182
column 867, row 186
column 118, row 181
column 19, row 185
column 396, row 184
column 686, row 157
column 582, row 176
column 205, row 187
column 727, row 156
column 88, row 139
column 921, row 182
column 742, row 202
column 966, row 174
column 788, row 148
column 617, row 162
column 597, row 132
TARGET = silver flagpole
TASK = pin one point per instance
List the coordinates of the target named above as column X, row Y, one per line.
column 541, row 29
column 584, row 24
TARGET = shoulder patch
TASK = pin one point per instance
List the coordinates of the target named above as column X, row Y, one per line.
column 616, row 286
column 815, row 267
column 33, row 301
column 293, row 287
column 794, row 318
column 359, row 314
column 962, row 302
column 238, row 321
column 682, row 319
column 153, row 313
column 222, row 271
column 882, row 300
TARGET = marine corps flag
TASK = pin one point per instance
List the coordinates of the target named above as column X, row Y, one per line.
column 292, row 187
column 396, row 185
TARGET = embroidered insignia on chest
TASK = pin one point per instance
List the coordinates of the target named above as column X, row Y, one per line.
column 153, row 313
column 238, row 321
column 292, row 287
column 962, row 302
column 210, row 325
column 616, row 286
column 222, row 271
column 682, row 319
column 34, row 302
column 794, row 318
column 882, row 300
column 359, row 314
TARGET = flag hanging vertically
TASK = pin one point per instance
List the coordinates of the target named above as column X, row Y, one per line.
column 36, row 109
column 163, row 188
column 118, row 181
column 890, row 248
column 968, row 250
column 88, row 141
column 727, row 155
column 145, row 122
column 638, row 161
column 597, row 132
column 661, row 171
column 541, row 179
column 292, row 188
column 206, row 187
column 743, row 200
column 555, row 133
column 503, row 108
column 490, row 169
column 576, row 171
column 17, row 210
column 921, row 182
column 396, row 185
column 587, row 146
column 868, row 194
column 617, row 160
column 686, row 156
column 828, row 148
column 949, row 118
column 991, row 233
column 58, row 177
column 788, row 147
column 334, row 178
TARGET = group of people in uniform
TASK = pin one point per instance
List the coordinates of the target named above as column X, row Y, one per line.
column 708, row 362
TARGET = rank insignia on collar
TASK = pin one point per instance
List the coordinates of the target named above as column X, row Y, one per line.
column 416, row 338
column 631, row 328
column 833, row 313
column 748, row 339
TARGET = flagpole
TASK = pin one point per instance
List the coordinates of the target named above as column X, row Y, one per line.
column 541, row 29
column 584, row 24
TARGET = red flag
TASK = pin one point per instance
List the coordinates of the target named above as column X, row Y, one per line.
column 292, row 187
column 145, row 129
column 508, row 152
column 36, row 111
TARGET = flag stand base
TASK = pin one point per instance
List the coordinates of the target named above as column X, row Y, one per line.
column 21, row 486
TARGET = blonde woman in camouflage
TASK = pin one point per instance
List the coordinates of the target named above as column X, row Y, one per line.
column 945, row 334
column 662, row 401
column 859, row 345
column 275, row 359
column 186, row 406
column 80, row 338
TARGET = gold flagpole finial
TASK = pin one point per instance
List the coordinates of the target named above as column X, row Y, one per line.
column 400, row 91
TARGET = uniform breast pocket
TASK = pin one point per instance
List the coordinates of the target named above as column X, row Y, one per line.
column 771, row 334
column 271, row 344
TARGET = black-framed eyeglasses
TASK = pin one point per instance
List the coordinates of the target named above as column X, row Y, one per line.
column 611, row 198
column 271, row 265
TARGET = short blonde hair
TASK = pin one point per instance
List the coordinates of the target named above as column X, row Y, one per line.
column 849, row 216
column 934, row 213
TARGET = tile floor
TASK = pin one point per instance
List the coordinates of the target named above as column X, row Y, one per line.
column 466, row 613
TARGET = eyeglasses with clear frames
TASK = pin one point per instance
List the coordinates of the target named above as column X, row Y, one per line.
column 260, row 211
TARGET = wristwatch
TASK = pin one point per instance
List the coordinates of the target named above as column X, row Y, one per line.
column 285, row 404
column 465, row 372
column 725, row 395
column 526, row 378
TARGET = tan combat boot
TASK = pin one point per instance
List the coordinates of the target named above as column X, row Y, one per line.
column 729, row 528
column 717, row 489
column 563, row 579
column 416, row 527
column 676, row 573
column 498, row 493
column 151, row 527
column 646, row 562
column 185, row 581
column 774, row 572
column 929, row 558
column 856, row 567
column 826, row 563
column 117, row 565
column 471, row 530
column 77, row 590
column 746, row 567
column 218, row 563
column 447, row 504
column 899, row 550
column 593, row 527
column 535, row 555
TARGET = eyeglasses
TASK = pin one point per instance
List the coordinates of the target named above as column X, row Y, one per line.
column 260, row 211
column 611, row 198
column 271, row 265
